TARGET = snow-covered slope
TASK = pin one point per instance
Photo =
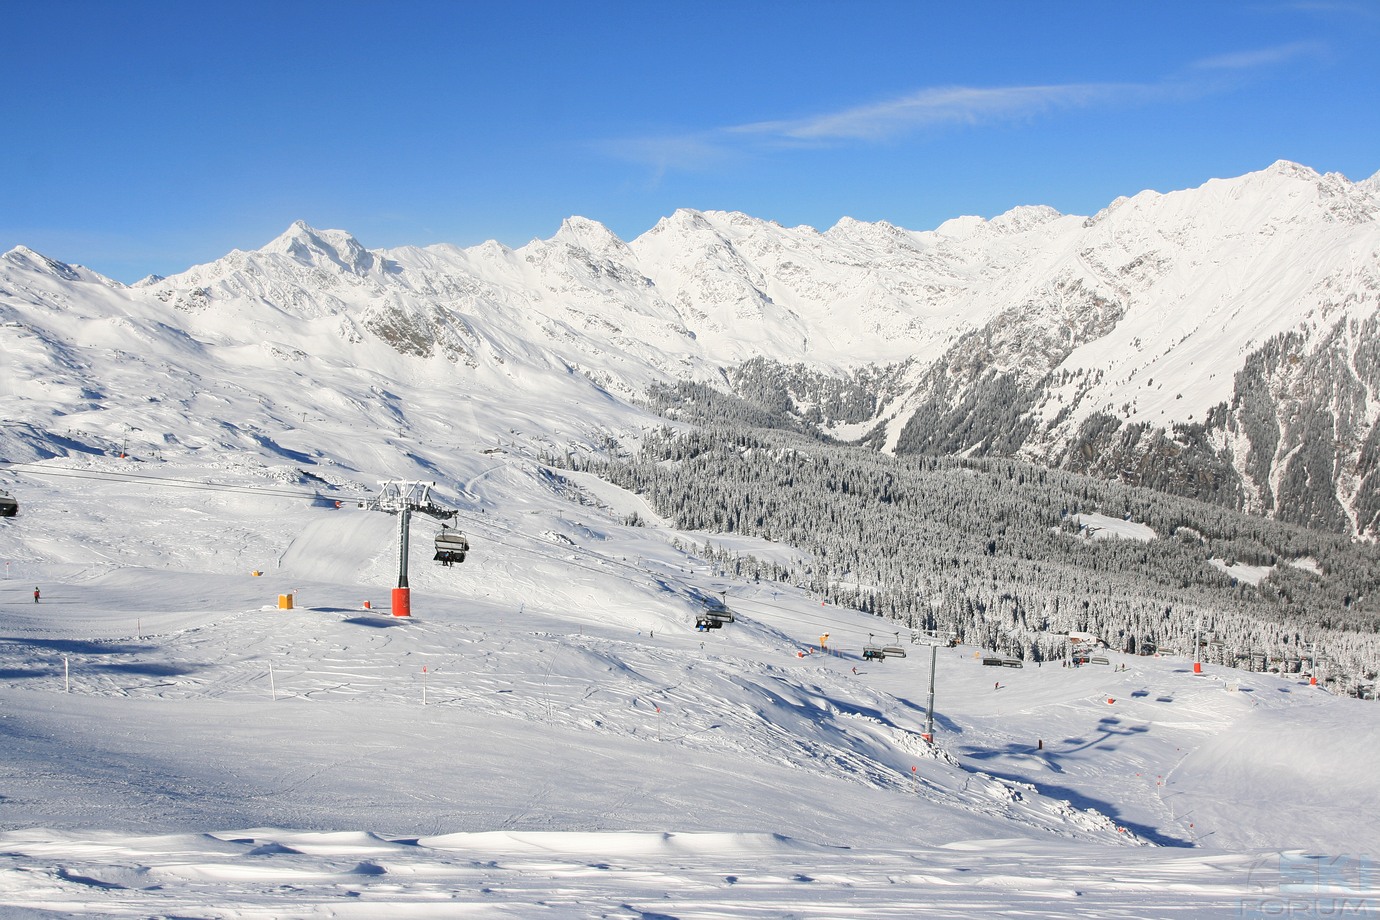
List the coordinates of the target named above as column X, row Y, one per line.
column 549, row 734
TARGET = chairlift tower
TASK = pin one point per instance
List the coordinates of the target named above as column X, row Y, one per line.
column 1197, row 647
column 402, row 497
column 930, row 638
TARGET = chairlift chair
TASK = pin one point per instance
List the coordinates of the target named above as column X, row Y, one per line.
column 714, row 615
column 8, row 506
column 894, row 651
column 873, row 652
column 451, row 546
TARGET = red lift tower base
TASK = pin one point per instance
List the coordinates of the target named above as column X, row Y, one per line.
column 402, row 602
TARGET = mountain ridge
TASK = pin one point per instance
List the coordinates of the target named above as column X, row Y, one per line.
column 1032, row 334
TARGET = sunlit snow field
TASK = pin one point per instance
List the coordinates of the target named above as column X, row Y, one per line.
column 548, row 735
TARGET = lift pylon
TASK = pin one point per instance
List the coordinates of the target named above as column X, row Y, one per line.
column 933, row 641
column 402, row 497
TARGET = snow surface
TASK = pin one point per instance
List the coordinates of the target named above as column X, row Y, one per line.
column 1102, row 527
column 549, row 735
column 1250, row 574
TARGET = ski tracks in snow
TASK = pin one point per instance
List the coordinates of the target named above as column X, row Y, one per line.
column 269, row 872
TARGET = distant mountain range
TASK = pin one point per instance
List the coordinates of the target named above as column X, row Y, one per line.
column 1219, row 342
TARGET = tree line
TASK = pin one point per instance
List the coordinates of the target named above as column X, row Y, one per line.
column 995, row 549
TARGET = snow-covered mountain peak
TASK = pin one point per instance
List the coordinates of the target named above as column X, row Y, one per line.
column 1290, row 170
column 880, row 234
column 590, row 235
column 1024, row 217
column 1020, row 219
column 1117, row 203
column 960, row 228
column 740, row 221
column 851, row 225
column 24, row 259
column 310, row 247
column 1287, row 191
column 681, row 220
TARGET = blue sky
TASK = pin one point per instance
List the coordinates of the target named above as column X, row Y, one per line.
column 149, row 136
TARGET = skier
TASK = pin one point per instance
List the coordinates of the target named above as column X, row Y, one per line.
column 35, row 594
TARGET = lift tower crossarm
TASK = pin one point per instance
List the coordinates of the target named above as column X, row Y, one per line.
column 399, row 495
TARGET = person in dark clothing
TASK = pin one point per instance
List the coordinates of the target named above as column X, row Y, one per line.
column 35, row 595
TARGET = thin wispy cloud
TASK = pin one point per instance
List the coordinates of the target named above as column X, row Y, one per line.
column 931, row 107
column 937, row 107
column 1263, row 57
column 871, row 123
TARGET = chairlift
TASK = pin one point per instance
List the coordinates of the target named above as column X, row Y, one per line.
column 8, row 506
column 873, row 652
column 451, row 546
column 999, row 661
column 713, row 619
column 894, row 651
column 714, row 615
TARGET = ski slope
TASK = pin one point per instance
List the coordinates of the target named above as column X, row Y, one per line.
column 549, row 736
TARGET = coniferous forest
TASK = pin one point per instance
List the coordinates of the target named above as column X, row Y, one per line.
column 996, row 551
